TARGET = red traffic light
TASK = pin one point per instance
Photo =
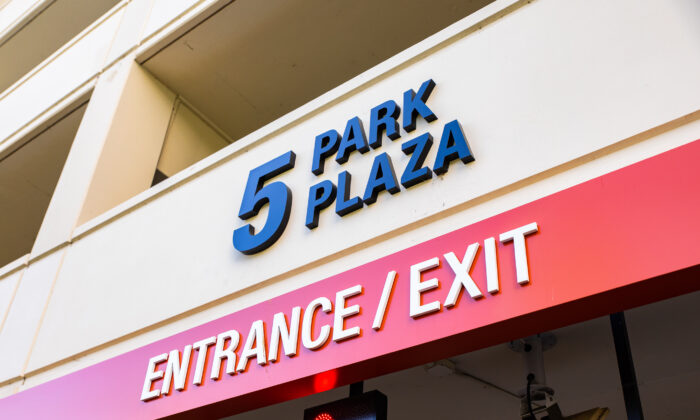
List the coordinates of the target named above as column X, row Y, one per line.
column 368, row 406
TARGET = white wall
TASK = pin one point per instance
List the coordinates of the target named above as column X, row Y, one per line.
column 60, row 74
column 29, row 104
column 13, row 12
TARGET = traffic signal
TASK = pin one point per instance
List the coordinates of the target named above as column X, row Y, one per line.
column 368, row 406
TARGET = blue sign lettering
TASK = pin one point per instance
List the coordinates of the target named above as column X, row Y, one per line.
column 383, row 120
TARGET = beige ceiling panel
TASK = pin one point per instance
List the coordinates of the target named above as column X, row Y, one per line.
column 255, row 61
column 189, row 140
column 45, row 34
column 27, row 180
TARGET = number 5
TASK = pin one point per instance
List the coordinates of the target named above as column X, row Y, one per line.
column 255, row 196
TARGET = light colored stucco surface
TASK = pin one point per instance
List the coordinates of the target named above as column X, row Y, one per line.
column 504, row 83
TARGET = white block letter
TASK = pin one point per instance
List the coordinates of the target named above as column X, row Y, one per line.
column 254, row 346
column 202, row 348
column 384, row 301
column 177, row 369
column 308, row 324
column 341, row 312
column 462, row 277
column 418, row 287
column 228, row 354
column 288, row 336
column 152, row 375
column 492, row 284
column 518, row 238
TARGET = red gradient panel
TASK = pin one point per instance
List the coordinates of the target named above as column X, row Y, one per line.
column 325, row 381
column 618, row 241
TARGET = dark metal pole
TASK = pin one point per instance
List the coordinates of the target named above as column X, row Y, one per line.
column 356, row 388
column 625, row 364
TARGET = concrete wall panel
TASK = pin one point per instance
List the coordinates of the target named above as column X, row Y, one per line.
column 189, row 140
column 534, row 90
column 57, row 77
column 8, row 287
column 115, row 151
column 25, row 315
column 165, row 11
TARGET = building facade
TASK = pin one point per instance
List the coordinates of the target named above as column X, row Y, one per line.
column 234, row 209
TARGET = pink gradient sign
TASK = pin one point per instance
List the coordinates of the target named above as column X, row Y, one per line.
column 621, row 240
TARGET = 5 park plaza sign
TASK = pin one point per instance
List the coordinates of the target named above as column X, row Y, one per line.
column 383, row 121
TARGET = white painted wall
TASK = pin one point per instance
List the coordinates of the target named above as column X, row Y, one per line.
column 8, row 288
column 57, row 77
column 114, row 154
column 165, row 11
column 14, row 12
column 545, row 101
column 47, row 90
column 39, row 34
column 26, row 312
